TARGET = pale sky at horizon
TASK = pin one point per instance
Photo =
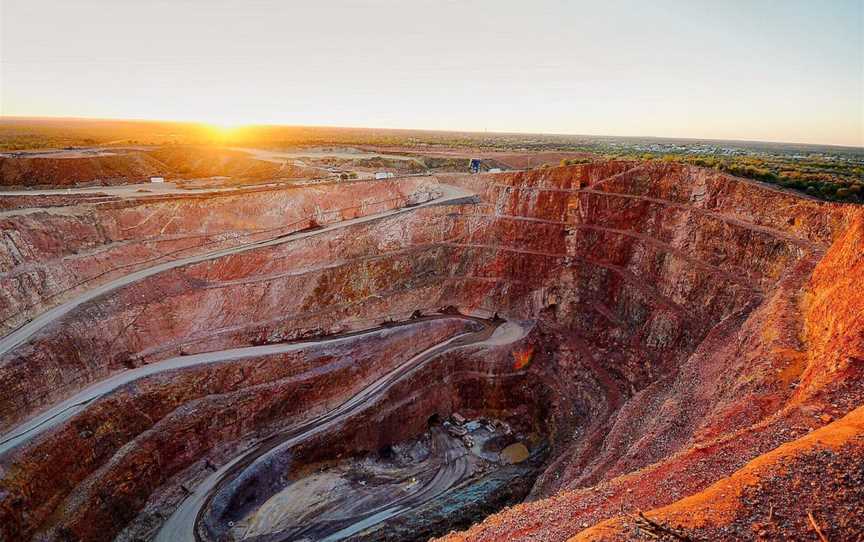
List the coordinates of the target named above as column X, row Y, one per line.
column 766, row 70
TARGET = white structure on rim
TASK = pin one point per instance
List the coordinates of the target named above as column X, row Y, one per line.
column 383, row 175
column 157, row 179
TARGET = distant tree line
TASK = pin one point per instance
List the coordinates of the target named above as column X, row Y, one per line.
column 833, row 181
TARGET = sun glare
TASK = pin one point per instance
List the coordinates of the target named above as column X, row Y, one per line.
column 224, row 128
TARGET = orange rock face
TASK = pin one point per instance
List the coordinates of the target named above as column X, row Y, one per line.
column 731, row 436
column 696, row 348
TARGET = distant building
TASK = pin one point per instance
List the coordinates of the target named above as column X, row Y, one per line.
column 157, row 179
column 383, row 175
column 495, row 170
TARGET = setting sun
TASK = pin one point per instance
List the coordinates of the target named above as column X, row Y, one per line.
column 225, row 128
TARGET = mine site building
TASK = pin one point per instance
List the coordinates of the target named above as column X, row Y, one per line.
column 383, row 175
column 157, row 179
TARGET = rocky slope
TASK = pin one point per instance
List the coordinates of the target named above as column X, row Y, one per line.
column 769, row 336
column 691, row 332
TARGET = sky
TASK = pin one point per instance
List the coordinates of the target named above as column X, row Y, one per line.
column 784, row 70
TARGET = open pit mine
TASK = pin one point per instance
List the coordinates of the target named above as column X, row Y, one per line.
column 613, row 350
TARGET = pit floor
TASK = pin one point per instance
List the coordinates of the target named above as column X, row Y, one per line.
column 331, row 501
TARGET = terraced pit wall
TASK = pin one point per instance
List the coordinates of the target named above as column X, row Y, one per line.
column 48, row 254
column 664, row 300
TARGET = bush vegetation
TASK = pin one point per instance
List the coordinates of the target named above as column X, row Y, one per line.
column 574, row 161
column 832, row 180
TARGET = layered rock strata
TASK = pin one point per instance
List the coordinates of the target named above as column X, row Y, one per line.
column 686, row 324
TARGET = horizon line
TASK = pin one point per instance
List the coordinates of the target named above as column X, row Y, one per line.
column 478, row 132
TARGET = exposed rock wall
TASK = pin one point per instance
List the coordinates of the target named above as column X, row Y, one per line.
column 127, row 443
column 814, row 474
column 673, row 341
column 48, row 255
column 743, row 377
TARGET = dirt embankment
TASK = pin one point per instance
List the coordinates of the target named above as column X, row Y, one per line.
column 49, row 171
column 137, row 165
